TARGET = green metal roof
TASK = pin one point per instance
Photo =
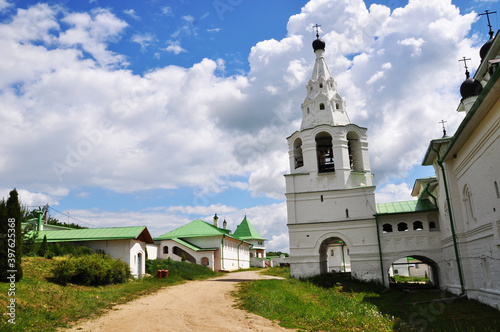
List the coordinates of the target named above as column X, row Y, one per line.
column 405, row 207
column 97, row 234
column 246, row 231
column 196, row 228
column 192, row 246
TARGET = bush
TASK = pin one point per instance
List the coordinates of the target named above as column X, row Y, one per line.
column 90, row 270
column 182, row 270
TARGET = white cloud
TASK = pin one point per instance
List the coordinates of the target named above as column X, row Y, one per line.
column 166, row 10
column 92, row 32
column 144, row 40
column 174, row 47
column 34, row 199
column 132, row 14
column 71, row 116
column 4, row 4
column 394, row 193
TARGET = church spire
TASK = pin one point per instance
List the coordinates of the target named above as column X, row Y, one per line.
column 323, row 104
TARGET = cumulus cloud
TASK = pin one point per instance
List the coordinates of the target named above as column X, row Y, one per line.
column 92, row 32
column 394, row 193
column 72, row 115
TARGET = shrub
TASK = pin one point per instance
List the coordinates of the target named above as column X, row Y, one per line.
column 182, row 270
column 90, row 270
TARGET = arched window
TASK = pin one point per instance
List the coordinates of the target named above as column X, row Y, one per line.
column 165, row 249
column 324, row 152
column 297, row 153
column 418, row 226
column 402, row 227
column 386, row 228
column 355, row 153
column 432, row 225
column 468, row 203
column 321, row 106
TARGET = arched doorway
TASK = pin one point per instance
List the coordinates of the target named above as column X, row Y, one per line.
column 414, row 271
column 334, row 256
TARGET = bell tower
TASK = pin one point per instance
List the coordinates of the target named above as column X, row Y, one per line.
column 330, row 181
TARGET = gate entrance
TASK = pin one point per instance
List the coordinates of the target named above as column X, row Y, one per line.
column 334, row 256
column 414, row 271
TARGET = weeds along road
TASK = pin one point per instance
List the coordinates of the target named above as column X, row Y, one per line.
column 194, row 306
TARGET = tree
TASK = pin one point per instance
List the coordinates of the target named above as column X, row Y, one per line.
column 11, row 217
column 3, row 241
column 43, row 251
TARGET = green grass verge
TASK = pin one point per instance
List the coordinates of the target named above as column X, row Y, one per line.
column 42, row 305
column 337, row 303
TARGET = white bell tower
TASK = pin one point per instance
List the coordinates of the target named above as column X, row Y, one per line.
column 330, row 182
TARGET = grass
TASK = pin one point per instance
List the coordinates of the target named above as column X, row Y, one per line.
column 338, row 303
column 42, row 305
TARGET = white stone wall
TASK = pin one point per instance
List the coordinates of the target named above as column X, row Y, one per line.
column 230, row 255
column 126, row 250
column 359, row 235
column 152, row 250
column 475, row 169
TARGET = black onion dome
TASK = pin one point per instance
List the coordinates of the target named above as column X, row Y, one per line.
column 319, row 44
column 485, row 48
column 470, row 87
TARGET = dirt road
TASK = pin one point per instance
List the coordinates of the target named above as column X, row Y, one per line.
column 194, row 306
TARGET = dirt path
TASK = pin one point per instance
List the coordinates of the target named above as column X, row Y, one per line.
column 194, row 306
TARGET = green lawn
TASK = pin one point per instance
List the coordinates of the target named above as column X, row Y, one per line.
column 337, row 303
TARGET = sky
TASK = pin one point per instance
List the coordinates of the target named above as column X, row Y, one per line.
column 156, row 113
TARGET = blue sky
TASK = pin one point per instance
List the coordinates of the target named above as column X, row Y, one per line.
column 155, row 113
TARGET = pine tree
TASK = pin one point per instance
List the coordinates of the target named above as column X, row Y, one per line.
column 3, row 241
column 11, row 219
column 44, row 250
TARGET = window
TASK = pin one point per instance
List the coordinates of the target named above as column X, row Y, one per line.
column 321, row 198
column 418, row 226
column 355, row 153
column 308, row 110
column 321, row 106
column 386, row 228
column 467, row 197
column 332, row 253
column 321, row 85
column 402, row 227
column 347, row 213
column 432, row 225
column 297, row 153
column 324, row 153
column 165, row 249
column 204, row 261
column 496, row 190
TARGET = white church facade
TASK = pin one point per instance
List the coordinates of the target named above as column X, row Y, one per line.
column 453, row 225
